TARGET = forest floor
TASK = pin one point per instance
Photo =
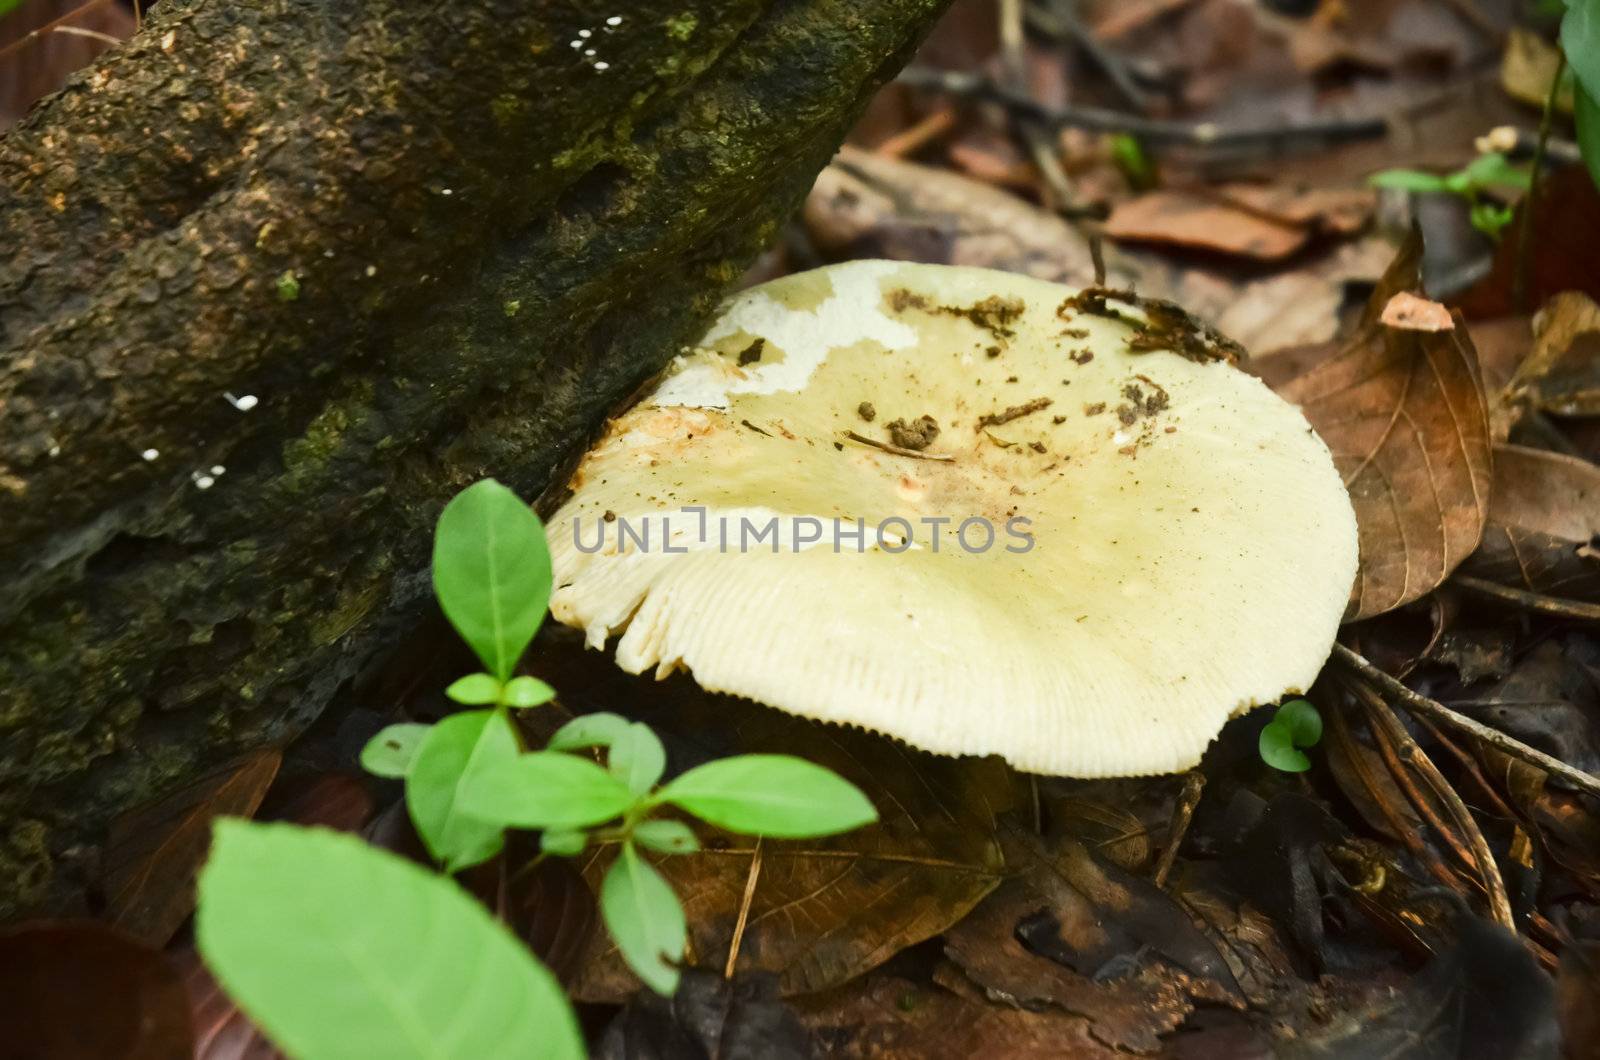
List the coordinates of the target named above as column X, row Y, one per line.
column 1263, row 164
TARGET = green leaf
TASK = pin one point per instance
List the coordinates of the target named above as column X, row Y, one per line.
column 1302, row 720
column 8, row 6
column 773, row 795
column 546, row 789
column 475, row 690
column 633, row 752
column 601, row 729
column 1490, row 218
column 563, row 842
column 390, row 753
column 527, row 692
column 340, row 951
column 645, row 919
column 1407, row 180
column 491, row 571
column 457, row 749
column 1491, row 170
column 1278, row 751
column 1587, row 113
column 668, row 837
column 1580, row 39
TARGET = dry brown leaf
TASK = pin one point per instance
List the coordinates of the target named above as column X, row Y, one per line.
column 1408, row 312
column 887, row 1018
column 79, row 990
column 1340, row 211
column 1544, row 513
column 154, row 851
column 825, row 911
column 1562, row 372
column 1405, row 415
column 1201, row 221
column 867, row 206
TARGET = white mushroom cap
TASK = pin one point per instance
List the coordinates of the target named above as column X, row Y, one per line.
column 1193, row 547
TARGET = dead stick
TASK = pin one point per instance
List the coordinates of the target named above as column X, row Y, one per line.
column 1393, row 754
column 1381, row 714
column 744, row 910
column 1154, row 130
column 1194, row 783
column 1445, row 716
column 895, row 449
column 1529, row 601
column 1409, row 837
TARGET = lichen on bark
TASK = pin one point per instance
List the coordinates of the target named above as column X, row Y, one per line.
column 414, row 170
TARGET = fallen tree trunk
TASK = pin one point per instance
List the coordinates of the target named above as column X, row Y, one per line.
column 282, row 277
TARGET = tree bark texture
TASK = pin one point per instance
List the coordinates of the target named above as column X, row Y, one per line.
column 279, row 277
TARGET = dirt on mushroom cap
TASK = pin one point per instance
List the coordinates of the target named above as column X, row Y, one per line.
column 1189, row 555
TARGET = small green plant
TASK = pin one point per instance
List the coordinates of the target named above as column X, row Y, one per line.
column 1296, row 724
column 1580, row 41
column 1470, row 183
column 291, row 917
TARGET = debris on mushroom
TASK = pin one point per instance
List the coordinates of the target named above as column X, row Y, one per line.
column 1090, row 595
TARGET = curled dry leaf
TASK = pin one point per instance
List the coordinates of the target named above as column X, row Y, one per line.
column 1561, row 374
column 1544, row 513
column 154, row 852
column 1409, row 313
column 1405, row 415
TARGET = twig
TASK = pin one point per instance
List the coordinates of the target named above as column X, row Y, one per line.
column 59, row 26
column 1039, row 140
column 909, row 141
column 895, row 449
column 1194, row 784
column 744, row 910
column 92, row 34
column 1154, row 130
column 1528, row 601
column 1339, row 730
column 1519, row 282
column 1060, row 22
column 1393, row 753
column 1445, row 716
column 1383, row 717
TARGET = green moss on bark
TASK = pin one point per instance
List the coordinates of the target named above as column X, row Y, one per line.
column 419, row 170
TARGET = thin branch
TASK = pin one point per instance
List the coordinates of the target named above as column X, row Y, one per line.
column 1445, row 716
column 1194, row 784
column 895, row 449
column 1154, row 130
column 744, row 910
column 1039, row 139
column 1528, row 601
column 1383, row 717
column 1060, row 22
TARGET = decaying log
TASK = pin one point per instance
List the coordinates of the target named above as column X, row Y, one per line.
column 278, row 278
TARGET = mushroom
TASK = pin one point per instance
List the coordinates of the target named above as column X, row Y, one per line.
column 1074, row 535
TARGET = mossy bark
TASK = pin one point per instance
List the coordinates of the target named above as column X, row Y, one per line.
column 432, row 242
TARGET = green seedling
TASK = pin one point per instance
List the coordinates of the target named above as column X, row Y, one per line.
column 1471, row 183
column 291, row 917
column 1296, row 724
